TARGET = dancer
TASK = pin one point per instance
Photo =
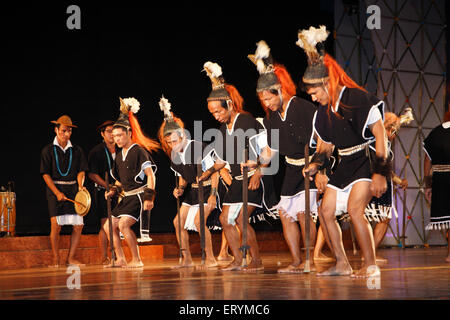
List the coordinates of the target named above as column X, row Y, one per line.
column 63, row 168
column 351, row 120
column 436, row 169
column 184, row 156
column 226, row 105
column 134, row 173
column 292, row 117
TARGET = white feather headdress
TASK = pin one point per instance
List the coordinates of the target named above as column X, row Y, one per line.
column 129, row 104
column 262, row 58
column 406, row 117
column 165, row 105
column 214, row 72
column 308, row 39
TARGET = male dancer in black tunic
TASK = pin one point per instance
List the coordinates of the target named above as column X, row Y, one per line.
column 292, row 116
column 351, row 120
column 63, row 168
column 437, row 177
column 133, row 171
column 226, row 105
column 184, row 156
column 100, row 160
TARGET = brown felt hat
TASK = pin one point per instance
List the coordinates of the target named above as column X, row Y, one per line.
column 105, row 124
column 64, row 120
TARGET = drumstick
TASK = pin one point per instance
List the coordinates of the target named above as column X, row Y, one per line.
column 76, row 202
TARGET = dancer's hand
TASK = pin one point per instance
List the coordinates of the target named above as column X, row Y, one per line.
column 378, row 186
column 178, row 192
column 148, row 205
column 404, row 184
column 250, row 164
column 254, row 182
column 312, row 169
column 321, row 181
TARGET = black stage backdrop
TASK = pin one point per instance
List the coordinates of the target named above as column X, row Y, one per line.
column 128, row 50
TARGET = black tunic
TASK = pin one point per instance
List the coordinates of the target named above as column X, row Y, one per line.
column 128, row 169
column 185, row 165
column 349, row 130
column 295, row 131
column 49, row 166
column 229, row 146
column 100, row 160
column 437, row 146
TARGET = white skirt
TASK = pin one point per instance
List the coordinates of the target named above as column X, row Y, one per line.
column 70, row 219
column 291, row 206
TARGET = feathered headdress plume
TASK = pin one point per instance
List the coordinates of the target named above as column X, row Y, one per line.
column 214, row 72
column 262, row 58
column 406, row 117
column 308, row 39
column 165, row 105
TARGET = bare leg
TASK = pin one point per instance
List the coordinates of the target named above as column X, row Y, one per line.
column 357, row 201
column 320, row 242
column 120, row 256
column 333, row 229
column 103, row 241
column 292, row 237
column 186, row 252
column 210, row 259
column 125, row 224
column 74, row 241
column 256, row 262
column 378, row 234
column 54, row 240
column 232, row 235
column 224, row 255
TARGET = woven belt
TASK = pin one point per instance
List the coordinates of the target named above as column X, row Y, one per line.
column 440, row 168
column 205, row 184
column 354, row 149
column 134, row 191
column 65, row 182
column 296, row 162
column 250, row 173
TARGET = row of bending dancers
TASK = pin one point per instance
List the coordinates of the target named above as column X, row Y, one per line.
column 350, row 168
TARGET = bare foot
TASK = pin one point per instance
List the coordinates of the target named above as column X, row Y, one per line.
column 74, row 262
column 224, row 258
column 323, row 258
column 209, row 263
column 106, row 261
column 447, row 259
column 312, row 267
column 55, row 263
column 117, row 264
column 342, row 270
column 134, row 264
column 366, row 272
column 291, row 269
column 234, row 266
column 379, row 259
column 184, row 264
column 254, row 265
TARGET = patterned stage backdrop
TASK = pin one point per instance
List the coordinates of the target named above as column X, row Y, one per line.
column 401, row 58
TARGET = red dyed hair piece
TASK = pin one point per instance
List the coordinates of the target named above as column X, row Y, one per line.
column 139, row 137
column 238, row 101
column 288, row 87
column 163, row 142
column 337, row 76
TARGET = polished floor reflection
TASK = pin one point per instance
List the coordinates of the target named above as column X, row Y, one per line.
column 414, row 273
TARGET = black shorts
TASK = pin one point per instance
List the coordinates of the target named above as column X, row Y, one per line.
column 130, row 206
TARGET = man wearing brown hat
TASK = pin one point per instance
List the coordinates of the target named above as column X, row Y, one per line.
column 100, row 160
column 63, row 167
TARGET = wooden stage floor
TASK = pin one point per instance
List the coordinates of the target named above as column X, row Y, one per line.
column 413, row 273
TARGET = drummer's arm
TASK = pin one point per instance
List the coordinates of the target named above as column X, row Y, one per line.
column 80, row 179
column 49, row 182
column 97, row 179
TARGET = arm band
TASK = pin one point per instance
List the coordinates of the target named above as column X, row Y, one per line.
column 149, row 194
column 382, row 166
column 321, row 160
column 213, row 192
